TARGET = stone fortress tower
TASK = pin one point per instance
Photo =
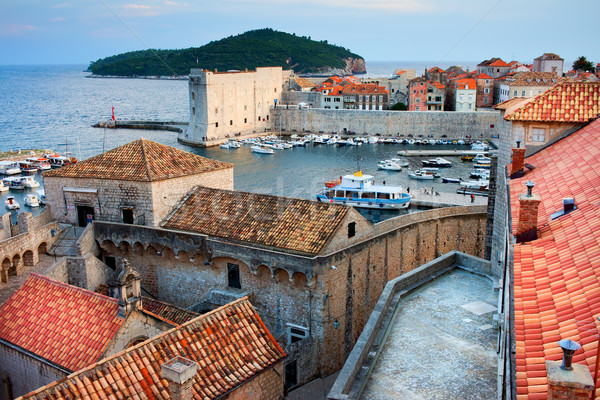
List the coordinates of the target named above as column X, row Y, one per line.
column 226, row 104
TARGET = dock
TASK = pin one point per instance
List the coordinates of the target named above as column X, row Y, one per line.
column 421, row 198
column 432, row 153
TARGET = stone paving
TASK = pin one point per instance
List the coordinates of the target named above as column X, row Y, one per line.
column 15, row 282
column 442, row 344
column 420, row 198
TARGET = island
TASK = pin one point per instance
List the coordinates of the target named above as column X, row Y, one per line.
column 256, row 48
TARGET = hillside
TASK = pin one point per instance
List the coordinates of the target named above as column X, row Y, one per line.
column 257, row 48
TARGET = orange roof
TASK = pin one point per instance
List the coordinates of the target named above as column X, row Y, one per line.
column 64, row 324
column 336, row 91
column 498, row 63
column 335, row 78
column 483, row 75
column 141, row 160
column 512, row 104
column 565, row 102
column 556, row 277
column 365, row 88
column 293, row 224
column 435, row 69
column 438, row 85
column 230, row 345
column 466, row 83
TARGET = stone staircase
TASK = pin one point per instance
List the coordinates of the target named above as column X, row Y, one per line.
column 66, row 245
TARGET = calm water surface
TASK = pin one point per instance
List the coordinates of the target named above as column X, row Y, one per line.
column 54, row 107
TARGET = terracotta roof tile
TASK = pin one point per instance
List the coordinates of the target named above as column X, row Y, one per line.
column 50, row 319
column 292, row 224
column 230, row 346
column 304, row 83
column 466, row 83
column 566, row 102
column 556, row 277
column 141, row 160
column 365, row 88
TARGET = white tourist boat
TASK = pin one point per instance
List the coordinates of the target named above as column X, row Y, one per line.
column 41, row 163
column 11, row 203
column 57, row 161
column 9, row 168
column 437, row 162
column 27, row 167
column 32, row 200
column 29, row 182
column 400, row 161
column 389, row 166
column 359, row 190
column 3, row 187
column 262, row 149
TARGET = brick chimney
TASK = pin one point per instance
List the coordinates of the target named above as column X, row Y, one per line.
column 518, row 161
column 528, row 214
column 569, row 381
column 180, row 372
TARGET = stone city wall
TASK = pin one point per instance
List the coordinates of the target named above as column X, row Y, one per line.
column 436, row 123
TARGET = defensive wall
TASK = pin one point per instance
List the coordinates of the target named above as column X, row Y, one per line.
column 329, row 296
column 478, row 124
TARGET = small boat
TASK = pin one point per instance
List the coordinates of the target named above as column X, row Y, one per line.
column 11, row 203
column 3, row 187
column 373, row 139
column 9, row 168
column 400, row 161
column 389, row 166
column 451, row 180
column 27, row 167
column 41, row 163
column 225, row 146
column 41, row 194
column 467, row 157
column 482, row 165
column 422, row 175
column 57, row 161
column 479, row 146
column 480, row 173
column 262, row 149
column 460, row 142
column 13, row 183
column 437, row 162
column 480, row 157
column 32, row 200
column 359, row 190
column 480, row 187
column 29, row 182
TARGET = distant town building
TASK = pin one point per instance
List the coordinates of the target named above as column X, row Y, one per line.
column 436, row 74
column 397, row 86
column 300, row 84
column 516, row 66
column 226, row 104
column 425, row 95
column 331, row 98
column 365, row 97
column 548, row 62
column 465, row 94
column 494, row 67
column 525, row 84
column 485, row 91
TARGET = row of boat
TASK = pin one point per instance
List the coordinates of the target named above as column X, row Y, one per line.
column 31, row 200
column 35, row 164
column 19, row 183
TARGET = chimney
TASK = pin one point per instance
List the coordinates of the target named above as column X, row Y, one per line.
column 518, row 161
column 180, row 372
column 567, row 380
column 529, row 203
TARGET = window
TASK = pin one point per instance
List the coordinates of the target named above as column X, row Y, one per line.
column 230, row 109
column 245, row 108
column 373, row 99
column 259, row 118
column 418, row 100
column 216, row 124
column 267, row 117
column 275, row 90
column 487, row 81
column 127, row 216
column 194, row 110
column 216, row 110
column 296, row 333
column 360, row 98
column 230, row 122
column 462, row 97
column 515, row 93
column 421, row 90
column 233, row 276
column 486, row 90
column 470, row 97
column 485, row 100
column 380, row 99
column 523, row 93
column 351, row 229
column 245, row 120
column 538, row 135
column 193, row 97
column 417, row 108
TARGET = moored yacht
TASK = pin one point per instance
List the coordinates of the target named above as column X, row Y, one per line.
column 9, row 168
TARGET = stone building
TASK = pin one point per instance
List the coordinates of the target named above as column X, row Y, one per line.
column 365, row 97
column 226, row 104
column 227, row 353
column 525, row 84
column 137, row 183
column 549, row 62
column 49, row 329
column 494, row 67
column 485, row 91
column 553, row 114
column 425, row 95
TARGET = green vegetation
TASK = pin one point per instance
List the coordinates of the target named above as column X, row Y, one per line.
column 258, row 48
column 399, row 107
column 582, row 64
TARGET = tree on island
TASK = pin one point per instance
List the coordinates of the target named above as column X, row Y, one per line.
column 399, row 107
column 582, row 64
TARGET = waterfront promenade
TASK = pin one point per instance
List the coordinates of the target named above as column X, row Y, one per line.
column 421, row 198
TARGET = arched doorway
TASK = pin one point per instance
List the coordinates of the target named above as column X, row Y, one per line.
column 43, row 248
column 16, row 261
column 28, row 258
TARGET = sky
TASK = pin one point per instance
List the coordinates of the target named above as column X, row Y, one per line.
column 81, row 31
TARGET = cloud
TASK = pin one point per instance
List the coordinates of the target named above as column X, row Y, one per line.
column 16, row 29
column 141, row 10
column 137, row 6
column 58, row 19
column 170, row 3
column 61, row 5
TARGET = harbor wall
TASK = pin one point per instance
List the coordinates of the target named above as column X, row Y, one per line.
column 478, row 124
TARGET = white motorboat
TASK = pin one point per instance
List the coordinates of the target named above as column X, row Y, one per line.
column 437, row 162
column 27, row 167
column 451, row 180
column 480, row 187
column 29, row 182
column 481, row 146
column 41, row 194
column 359, row 190
column 401, row 162
column 262, row 149
column 57, row 161
column 420, row 175
column 9, row 168
column 389, row 166
column 480, row 173
column 32, row 200
column 373, row 139
column 11, row 203
column 225, row 146
column 480, row 157
column 3, row 187
column 41, row 163
column 13, row 183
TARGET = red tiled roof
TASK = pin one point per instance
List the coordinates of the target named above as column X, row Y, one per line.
column 557, row 276
column 64, row 324
column 303, row 82
column 230, row 345
column 483, row 75
column 466, row 84
column 437, row 85
column 498, row 63
column 365, row 88
column 293, row 224
column 565, row 102
column 141, row 160
column 435, row 69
